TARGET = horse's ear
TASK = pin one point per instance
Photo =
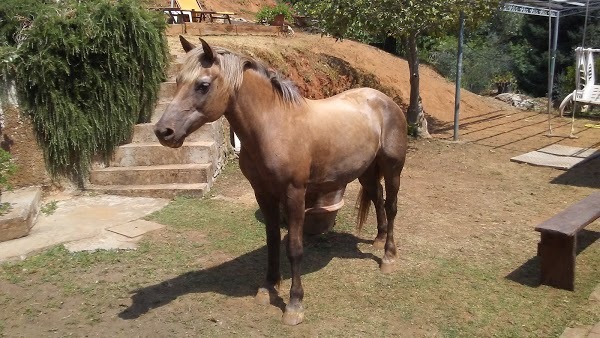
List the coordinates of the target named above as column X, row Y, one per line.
column 187, row 46
column 209, row 54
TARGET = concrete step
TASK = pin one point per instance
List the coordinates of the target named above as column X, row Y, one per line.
column 144, row 133
column 173, row 70
column 157, row 174
column 159, row 110
column 147, row 154
column 156, row 190
column 167, row 91
column 18, row 220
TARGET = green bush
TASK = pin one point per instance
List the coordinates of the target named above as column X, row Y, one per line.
column 504, row 82
column 482, row 60
column 266, row 14
column 85, row 72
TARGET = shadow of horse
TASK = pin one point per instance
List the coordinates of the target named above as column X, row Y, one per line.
column 243, row 275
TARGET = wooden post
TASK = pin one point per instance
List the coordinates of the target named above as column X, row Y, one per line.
column 557, row 258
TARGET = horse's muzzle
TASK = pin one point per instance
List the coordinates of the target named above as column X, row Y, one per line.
column 166, row 137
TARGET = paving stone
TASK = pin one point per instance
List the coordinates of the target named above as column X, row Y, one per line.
column 135, row 228
column 577, row 332
column 593, row 335
column 106, row 241
column 78, row 219
column 596, row 329
column 595, row 296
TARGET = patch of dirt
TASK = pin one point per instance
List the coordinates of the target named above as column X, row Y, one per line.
column 19, row 140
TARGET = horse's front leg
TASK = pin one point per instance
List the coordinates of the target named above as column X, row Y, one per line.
column 269, row 207
column 294, row 312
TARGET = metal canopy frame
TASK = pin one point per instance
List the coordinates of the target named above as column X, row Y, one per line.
column 557, row 7
column 554, row 9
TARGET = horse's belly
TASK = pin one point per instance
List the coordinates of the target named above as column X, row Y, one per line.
column 342, row 169
column 321, row 209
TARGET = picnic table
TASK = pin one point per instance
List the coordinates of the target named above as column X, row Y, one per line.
column 178, row 15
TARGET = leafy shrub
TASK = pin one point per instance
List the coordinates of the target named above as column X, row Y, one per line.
column 504, row 83
column 86, row 72
column 482, row 60
column 266, row 14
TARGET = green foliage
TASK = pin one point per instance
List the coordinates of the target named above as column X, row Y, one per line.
column 266, row 14
column 565, row 82
column 7, row 169
column 5, row 207
column 86, row 73
column 49, row 208
column 504, row 82
column 484, row 59
column 400, row 18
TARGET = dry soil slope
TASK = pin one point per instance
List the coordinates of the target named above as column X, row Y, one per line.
column 391, row 71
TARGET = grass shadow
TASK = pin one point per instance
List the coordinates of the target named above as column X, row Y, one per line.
column 242, row 276
column 528, row 274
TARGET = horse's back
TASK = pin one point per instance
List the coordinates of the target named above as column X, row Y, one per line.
column 373, row 100
column 348, row 131
column 393, row 132
column 363, row 105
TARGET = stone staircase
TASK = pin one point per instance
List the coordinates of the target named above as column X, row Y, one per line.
column 146, row 168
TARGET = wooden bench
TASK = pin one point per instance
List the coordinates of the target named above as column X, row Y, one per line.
column 558, row 243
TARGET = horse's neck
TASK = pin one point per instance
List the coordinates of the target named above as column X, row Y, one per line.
column 256, row 110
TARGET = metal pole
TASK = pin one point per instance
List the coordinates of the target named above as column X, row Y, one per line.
column 458, row 73
column 552, row 65
column 172, row 3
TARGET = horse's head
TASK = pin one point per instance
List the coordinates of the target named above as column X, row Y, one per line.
column 202, row 95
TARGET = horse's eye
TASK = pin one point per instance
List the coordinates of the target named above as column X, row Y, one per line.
column 202, row 87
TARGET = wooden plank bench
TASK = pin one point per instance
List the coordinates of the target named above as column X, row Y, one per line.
column 558, row 243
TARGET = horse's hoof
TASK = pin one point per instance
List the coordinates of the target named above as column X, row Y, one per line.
column 293, row 316
column 387, row 265
column 379, row 243
column 263, row 296
column 387, row 268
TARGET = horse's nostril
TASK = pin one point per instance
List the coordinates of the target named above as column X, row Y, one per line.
column 163, row 132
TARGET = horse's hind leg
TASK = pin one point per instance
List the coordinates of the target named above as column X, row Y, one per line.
column 370, row 182
column 392, row 186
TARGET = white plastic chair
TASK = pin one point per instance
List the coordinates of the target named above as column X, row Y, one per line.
column 587, row 91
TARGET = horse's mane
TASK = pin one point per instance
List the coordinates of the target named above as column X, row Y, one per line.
column 232, row 68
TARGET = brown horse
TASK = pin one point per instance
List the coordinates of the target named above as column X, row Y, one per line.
column 293, row 148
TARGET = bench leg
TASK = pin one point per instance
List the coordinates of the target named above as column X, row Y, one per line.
column 557, row 257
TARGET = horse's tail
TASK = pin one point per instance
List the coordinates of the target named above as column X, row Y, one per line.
column 363, row 204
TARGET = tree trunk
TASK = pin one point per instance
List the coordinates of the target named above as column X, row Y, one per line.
column 416, row 116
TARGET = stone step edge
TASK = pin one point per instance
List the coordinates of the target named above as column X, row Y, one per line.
column 198, row 166
column 169, row 191
column 156, row 144
column 165, row 186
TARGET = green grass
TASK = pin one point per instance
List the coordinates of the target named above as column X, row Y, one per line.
column 49, row 208
column 5, row 208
